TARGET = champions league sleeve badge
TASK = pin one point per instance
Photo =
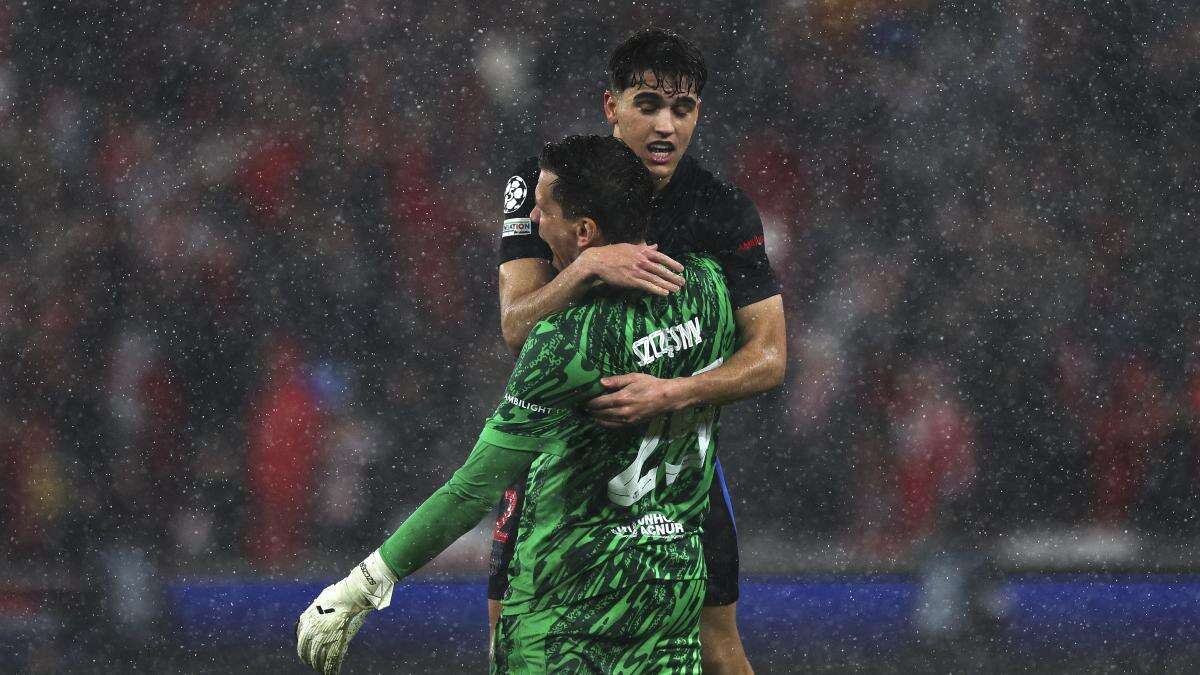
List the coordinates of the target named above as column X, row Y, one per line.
column 514, row 194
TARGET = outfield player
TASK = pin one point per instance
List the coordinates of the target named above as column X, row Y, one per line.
column 653, row 103
column 608, row 575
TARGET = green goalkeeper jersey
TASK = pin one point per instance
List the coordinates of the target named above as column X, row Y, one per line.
column 605, row 508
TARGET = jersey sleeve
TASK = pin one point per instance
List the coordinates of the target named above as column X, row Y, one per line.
column 542, row 405
column 519, row 235
column 455, row 508
column 741, row 249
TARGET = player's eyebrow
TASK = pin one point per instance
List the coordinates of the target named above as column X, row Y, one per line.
column 535, row 192
column 658, row 99
column 648, row 97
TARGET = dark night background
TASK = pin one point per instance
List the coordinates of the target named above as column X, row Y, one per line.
column 248, row 315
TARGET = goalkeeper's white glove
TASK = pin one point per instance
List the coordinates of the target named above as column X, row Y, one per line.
column 325, row 628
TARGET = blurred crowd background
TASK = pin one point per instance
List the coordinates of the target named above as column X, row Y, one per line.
column 248, row 314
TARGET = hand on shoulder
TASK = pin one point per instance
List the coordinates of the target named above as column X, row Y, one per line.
column 636, row 266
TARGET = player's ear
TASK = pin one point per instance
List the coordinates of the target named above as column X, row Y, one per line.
column 610, row 107
column 587, row 233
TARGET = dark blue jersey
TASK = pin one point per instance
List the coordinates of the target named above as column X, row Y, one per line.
column 695, row 213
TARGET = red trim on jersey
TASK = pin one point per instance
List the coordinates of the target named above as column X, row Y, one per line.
column 510, row 505
column 751, row 243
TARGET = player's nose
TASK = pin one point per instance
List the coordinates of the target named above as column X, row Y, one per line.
column 664, row 123
column 536, row 215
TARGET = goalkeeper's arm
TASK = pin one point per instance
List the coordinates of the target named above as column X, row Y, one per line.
column 331, row 620
column 455, row 508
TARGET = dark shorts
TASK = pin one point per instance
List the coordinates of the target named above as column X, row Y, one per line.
column 719, row 538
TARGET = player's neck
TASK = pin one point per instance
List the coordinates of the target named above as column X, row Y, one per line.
column 660, row 184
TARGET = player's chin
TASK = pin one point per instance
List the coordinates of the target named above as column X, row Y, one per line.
column 659, row 170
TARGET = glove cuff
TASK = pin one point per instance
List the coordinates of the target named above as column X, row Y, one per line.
column 376, row 580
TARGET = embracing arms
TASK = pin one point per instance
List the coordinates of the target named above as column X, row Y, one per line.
column 530, row 291
column 758, row 365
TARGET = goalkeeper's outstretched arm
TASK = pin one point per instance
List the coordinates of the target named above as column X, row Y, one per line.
column 325, row 628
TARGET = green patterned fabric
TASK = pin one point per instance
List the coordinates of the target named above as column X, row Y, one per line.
column 608, row 510
column 454, row 508
column 651, row 627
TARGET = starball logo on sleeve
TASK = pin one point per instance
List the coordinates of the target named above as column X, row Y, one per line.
column 515, row 192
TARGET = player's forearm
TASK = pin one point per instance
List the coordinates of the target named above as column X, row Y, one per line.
column 436, row 524
column 454, row 509
column 520, row 314
column 758, row 365
column 753, row 369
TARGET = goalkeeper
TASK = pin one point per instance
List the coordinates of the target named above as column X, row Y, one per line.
column 608, row 573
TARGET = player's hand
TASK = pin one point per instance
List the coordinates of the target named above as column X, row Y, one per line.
column 326, row 627
column 635, row 266
column 633, row 398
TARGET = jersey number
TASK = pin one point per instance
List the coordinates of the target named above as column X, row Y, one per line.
column 631, row 484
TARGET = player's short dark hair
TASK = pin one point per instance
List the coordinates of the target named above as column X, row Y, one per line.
column 675, row 61
column 600, row 178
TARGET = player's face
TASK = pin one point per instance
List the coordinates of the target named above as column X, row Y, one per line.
column 561, row 234
column 658, row 125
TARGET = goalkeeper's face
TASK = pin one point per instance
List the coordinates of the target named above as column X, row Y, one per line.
column 656, row 122
column 565, row 236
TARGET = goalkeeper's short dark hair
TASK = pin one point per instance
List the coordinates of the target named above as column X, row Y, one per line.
column 599, row 177
column 675, row 61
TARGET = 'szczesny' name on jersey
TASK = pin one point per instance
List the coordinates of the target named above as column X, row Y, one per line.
column 667, row 341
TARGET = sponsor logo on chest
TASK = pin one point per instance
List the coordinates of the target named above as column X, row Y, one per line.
column 667, row 342
column 653, row 525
